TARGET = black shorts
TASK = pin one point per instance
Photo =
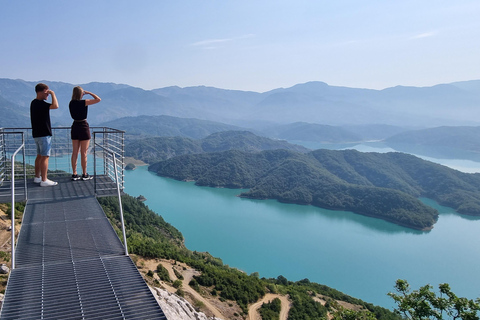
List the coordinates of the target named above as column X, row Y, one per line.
column 80, row 130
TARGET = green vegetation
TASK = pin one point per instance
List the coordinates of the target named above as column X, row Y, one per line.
column 130, row 166
column 456, row 138
column 149, row 235
column 154, row 149
column 167, row 126
column 425, row 304
column 271, row 310
column 19, row 209
column 162, row 273
column 386, row 186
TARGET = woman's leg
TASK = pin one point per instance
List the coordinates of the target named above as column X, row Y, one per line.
column 83, row 149
column 75, row 149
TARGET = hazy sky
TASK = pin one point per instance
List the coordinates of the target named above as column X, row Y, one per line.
column 246, row 44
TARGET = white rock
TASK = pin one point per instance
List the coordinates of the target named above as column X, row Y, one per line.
column 177, row 308
column 4, row 269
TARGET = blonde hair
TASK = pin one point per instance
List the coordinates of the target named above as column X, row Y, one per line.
column 77, row 93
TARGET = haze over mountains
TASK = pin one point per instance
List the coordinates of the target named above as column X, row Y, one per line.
column 439, row 121
column 451, row 104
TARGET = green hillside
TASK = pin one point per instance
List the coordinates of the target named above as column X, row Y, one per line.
column 465, row 138
column 154, row 149
column 168, row 126
column 385, row 186
column 150, row 236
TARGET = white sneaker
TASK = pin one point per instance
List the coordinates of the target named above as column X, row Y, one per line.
column 37, row 180
column 48, row 183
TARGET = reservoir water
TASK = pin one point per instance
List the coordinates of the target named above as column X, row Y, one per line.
column 357, row 255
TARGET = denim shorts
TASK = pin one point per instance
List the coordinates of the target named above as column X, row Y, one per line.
column 44, row 145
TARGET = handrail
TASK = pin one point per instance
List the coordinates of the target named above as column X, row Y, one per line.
column 120, row 205
column 60, row 160
column 13, row 202
column 118, row 190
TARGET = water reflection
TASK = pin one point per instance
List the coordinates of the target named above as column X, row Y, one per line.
column 334, row 217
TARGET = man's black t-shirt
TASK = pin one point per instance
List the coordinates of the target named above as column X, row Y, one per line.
column 40, row 118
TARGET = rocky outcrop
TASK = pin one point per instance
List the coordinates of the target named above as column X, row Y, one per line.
column 4, row 269
column 177, row 308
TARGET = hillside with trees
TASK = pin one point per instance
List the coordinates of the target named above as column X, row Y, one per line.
column 11, row 117
column 148, row 235
column 154, row 149
column 440, row 142
column 167, row 126
column 385, row 186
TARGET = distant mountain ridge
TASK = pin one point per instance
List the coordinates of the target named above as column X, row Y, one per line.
column 313, row 102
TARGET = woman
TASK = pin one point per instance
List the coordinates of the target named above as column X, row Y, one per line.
column 80, row 132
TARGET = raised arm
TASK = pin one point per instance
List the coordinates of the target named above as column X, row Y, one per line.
column 96, row 99
column 54, row 104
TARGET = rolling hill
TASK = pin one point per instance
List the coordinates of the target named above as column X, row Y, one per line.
column 440, row 142
column 385, row 186
column 154, row 149
column 168, row 126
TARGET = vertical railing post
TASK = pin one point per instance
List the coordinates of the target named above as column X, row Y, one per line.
column 13, row 203
column 120, row 204
column 24, row 170
column 13, row 211
column 94, row 165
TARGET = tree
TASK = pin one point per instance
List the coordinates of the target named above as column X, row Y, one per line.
column 337, row 312
column 424, row 304
column 346, row 314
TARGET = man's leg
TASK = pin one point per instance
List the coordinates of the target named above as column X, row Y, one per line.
column 38, row 172
column 44, row 167
column 45, row 145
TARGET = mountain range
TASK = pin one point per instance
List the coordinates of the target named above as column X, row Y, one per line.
column 451, row 104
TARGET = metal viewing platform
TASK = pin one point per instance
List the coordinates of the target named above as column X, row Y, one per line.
column 69, row 262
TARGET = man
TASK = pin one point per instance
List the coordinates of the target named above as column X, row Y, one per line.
column 42, row 132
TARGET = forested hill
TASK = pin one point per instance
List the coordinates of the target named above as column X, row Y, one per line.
column 440, row 142
column 168, row 126
column 385, row 186
column 154, row 149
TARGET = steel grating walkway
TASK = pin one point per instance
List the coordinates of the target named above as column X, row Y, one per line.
column 70, row 264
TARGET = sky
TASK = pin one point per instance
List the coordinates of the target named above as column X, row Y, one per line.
column 249, row 45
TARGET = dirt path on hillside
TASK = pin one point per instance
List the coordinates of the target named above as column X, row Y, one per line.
column 187, row 274
column 253, row 309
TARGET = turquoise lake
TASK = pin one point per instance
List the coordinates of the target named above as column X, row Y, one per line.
column 357, row 255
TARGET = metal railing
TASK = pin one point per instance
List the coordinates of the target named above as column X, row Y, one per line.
column 111, row 144
column 108, row 145
column 60, row 159
column 111, row 162
column 22, row 147
column 9, row 142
